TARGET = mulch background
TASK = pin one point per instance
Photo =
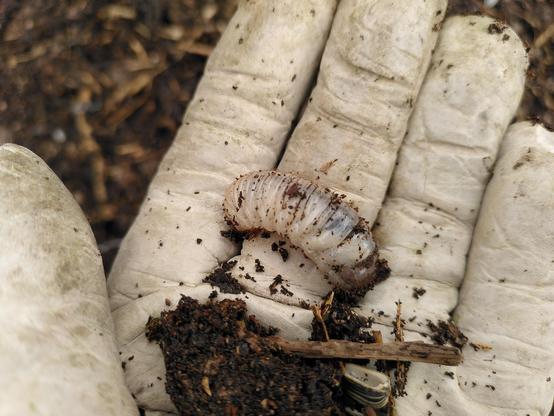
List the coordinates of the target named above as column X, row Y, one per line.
column 98, row 88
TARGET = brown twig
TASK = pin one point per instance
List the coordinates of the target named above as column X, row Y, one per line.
column 320, row 312
column 378, row 336
column 90, row 148
column 319, row 317
column 401, row 373
column 398, row 323
column 392, row 351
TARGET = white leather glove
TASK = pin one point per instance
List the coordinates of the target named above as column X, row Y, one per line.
column 348, row 138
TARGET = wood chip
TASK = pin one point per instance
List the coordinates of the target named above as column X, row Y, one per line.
column 206, row 386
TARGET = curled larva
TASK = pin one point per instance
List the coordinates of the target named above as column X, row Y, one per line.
column 328, row 230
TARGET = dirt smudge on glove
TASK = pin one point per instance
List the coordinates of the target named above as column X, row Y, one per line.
column 447, row 333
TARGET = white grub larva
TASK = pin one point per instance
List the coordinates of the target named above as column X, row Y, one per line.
column 328, row 230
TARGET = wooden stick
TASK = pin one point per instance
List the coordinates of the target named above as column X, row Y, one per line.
column 392, row 351
column 401, row 374
column 317, row 313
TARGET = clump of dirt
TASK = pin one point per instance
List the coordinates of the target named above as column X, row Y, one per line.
column 222, row 279
column 447, row 333
column 235, row 236
column 342, row 322
column 218, row 362
column 418, row 292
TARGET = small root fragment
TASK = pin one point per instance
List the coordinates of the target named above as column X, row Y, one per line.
column 401, row 375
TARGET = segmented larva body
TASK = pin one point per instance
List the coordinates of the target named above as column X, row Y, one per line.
column 328, row 230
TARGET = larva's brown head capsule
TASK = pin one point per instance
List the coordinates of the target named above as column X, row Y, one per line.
column 360, row 275
column 365, row 274
column 324, row 226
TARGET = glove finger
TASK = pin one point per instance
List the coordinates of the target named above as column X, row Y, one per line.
column 426, row 224
column 238, row 121
column 507, row 298
column 57, row 349
column 253, row 86
column 424, row 230
column 371, row 70
column 348, row 137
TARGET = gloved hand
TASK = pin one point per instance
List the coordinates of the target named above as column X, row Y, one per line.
column 376, row 58
column 374, row 63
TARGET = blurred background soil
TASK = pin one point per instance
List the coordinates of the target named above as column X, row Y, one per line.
column 98, row 88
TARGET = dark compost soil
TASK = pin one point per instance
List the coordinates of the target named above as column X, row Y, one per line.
column 98, row 89
column 217, row 362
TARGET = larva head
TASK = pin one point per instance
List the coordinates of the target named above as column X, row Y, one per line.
column 360, row 275
column 353, row 261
